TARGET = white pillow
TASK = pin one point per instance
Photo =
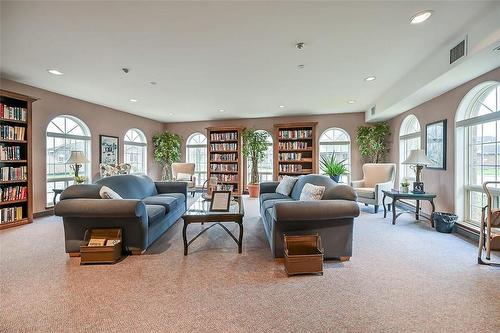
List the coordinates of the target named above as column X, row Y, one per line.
column 311, row 192
column 183, row 176
column 107, row 193
column 286, row 184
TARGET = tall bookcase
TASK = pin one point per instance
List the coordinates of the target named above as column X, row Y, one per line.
column 225, row 158
column 16, row 182
column 295, row 153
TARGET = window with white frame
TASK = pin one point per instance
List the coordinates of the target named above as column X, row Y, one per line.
column 266, row 165
column 196, row 152
column 65, row 134
column 135, row 147
column 478, row 148
column 409, row 139
column 337, row 141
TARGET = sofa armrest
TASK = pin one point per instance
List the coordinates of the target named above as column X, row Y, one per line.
column 268, row 187
column 358, row 183
column 100, row 208
column 315, row 210
column 172, row 187
column 342, row 192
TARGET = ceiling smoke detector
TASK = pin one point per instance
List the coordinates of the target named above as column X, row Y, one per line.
column 125, row 70
column 299, row 46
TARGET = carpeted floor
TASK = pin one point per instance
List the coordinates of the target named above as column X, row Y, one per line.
column 403, row 278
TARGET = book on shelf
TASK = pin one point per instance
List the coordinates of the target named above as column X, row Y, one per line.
column 14, row 173
column 295, row 134
column 224, row 146
column 12, row 193
column 290, row 168
column 8, row 132
column 223, row 157
column 227, row 167
column 293, row 145
column 226, row 136
column 11, row 214
column 10, row 153
column 13, row 112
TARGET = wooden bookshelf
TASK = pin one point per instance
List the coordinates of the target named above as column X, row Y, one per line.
column 224, row 156
column 295, row 151
column 16, row 182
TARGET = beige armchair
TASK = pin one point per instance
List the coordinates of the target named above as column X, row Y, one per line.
column 184, row 172
column 376, row 177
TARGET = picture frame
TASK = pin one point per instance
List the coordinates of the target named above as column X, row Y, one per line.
column 435, row 144
column 109, row 149
column 221, row 201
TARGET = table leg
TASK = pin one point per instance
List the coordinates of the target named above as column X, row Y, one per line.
column 433, row 209
column 417, row 209
column 54, row 200
column 240, row 239
column 394, row 210
column 383, row 204
column 184, row 238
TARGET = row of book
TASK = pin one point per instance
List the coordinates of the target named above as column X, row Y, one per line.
column 11, row 214
column 13, row 112
column 226, row 136
column 227, row 178
column 225, row 187
column 293, row 145
column 12, row 153
column 290, row 168
column 224, row 167
column 224, row 157
column 224, row 146
column 14, row 173
column 12, row 193
column 12, row 132
column 295, row 134
column 290, row 156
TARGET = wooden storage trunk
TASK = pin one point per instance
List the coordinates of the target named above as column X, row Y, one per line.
column 303, row 254
column 101, row 254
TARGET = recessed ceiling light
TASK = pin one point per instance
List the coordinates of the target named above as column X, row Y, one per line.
column 170, row 114
column 301, row 66
column 420, row 17
column 370, row 78
column 351, row 101
column 54, row 71
column 133, row 100
column 282, row 106
column 222, row 110
column 153, row 83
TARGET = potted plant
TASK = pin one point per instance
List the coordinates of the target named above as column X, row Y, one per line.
column 167, row 150
column 80, row 179
column 254, row 148
column 372, row 141
column 332, row 167
column 405, row 184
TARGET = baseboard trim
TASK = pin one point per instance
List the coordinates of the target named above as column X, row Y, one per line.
column 48, row 212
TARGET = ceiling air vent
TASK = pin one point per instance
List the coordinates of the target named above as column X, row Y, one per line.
column 372, row 110
column 458, row 51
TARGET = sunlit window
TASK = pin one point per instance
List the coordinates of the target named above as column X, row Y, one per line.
column 196, row 152
column 336, row 141
column 135, row 147
column 409, row 139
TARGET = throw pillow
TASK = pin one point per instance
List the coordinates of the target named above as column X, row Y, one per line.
column 286, row 184
column 183, row 176
column 311, row 192
column 107, row 193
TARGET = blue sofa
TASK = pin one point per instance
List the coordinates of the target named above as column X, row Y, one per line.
column 146, row 211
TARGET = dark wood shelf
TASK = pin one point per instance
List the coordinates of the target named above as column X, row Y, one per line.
column 12, row 181
column 224, row 161
column 295, row 139
column 294, row 150
column 304, row 160
column 14, row 223
column 5, row 203
column 224, row 151
column 13, row 141
column 214, row 171
column 303, row 172
column 13, row 121
column 224, row 141
column 13, row 161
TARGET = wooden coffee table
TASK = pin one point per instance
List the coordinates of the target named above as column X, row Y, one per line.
column 199, row 212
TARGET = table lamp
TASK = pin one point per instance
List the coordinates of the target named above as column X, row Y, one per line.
column 76, row 159
column 418, row 159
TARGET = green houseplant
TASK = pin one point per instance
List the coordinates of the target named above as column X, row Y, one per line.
column 167, row 150
column 254, row 148
column 405, row 184
column 372, row 141
column 332, row 167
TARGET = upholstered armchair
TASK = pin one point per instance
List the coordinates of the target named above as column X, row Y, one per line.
column 107, row 170
column 376, row 177
column 184, row 172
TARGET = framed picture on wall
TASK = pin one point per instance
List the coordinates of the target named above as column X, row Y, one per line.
column 108, row 149
column 435, row 144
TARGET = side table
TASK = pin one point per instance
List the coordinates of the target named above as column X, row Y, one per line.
column 395, row 196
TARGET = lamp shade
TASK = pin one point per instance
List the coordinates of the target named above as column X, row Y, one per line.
column 417, row 156
column 77, row 157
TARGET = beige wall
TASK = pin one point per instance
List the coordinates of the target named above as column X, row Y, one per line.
column 348, row 121
column 99, row 119
column 441, row 107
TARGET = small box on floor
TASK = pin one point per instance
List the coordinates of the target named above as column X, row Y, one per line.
column 104, row 246
column 303, row 254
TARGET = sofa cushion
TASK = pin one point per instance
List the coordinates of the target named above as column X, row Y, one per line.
column 107, row 193
column 272, row 196
column 319, row 180
column 286, row 184
column 365, row 192
column 180, row 196
column 270, row 203
column 311, row 192
column 155, row 213
column 168, row 202
column 130, row 186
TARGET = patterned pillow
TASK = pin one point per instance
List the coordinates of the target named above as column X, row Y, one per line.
column 286, row 184
column 311, row 192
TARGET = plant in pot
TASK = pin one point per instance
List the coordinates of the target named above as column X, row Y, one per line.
column 254, row 149
column 405, row 185
column 167, row 150
column 332, row 167
column 372, row 141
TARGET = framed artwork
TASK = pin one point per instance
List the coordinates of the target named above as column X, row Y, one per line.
column 108, row 149
column 220, row 201
column 435, row 144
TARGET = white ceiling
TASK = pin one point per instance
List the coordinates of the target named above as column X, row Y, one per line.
column 236, row 56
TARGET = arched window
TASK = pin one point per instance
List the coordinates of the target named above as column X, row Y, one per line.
column 478, row 148
column 196, row 152
column 266, row 165
column 409, row 139
column 135, row 146
column 65, row 134
column 337, row 141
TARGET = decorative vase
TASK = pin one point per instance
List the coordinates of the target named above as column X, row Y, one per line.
column 253, row 190
column 404, row 189
column 335, row 178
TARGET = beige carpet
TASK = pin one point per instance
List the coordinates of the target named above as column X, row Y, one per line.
column 403, row 278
